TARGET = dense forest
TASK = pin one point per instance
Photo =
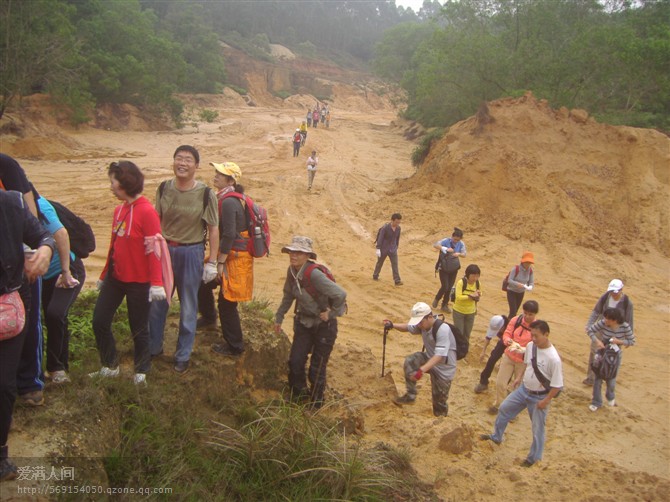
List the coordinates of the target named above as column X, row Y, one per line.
column 611, row 57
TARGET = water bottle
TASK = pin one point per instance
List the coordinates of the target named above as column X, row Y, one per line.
column 259, row 243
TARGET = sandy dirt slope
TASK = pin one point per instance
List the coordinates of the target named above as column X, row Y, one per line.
column 580, row 242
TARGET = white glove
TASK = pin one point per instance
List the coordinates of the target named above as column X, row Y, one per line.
column 378, row 252
column 445, row 249
column 98, row 285
column 528, row 288
column 209, row 273
column 157, row 293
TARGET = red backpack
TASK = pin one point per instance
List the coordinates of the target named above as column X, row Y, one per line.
column 258, row 244
column 306, row 283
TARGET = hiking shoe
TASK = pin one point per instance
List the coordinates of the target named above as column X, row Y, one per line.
column 375, row 278
column 59, row 376
column 8, row 470
column 140, row 379
column 181, row 367
column 225, row 350
column 205, row 322
column 405, row 399
column 488, row 437
column 435, row 303
column 105, row 372
column 527, row 463
column 593, row 407
column 399, row 283
column 493, row 410
column 480, row 387
column 588, row 382
column 611, row 402
column 34, row 398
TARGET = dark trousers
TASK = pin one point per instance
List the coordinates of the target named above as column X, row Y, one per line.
column 56, row 303
column 10, row 353
column 495, row 356
column 231, row 327
column 319, row 341
column 447, row 280
column 206, row 306
column 296, row 148
column 514, row 300
column 137, row 300
column 393, row 258
column 29, row 376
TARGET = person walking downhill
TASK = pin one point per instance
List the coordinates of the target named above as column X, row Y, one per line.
column 309, row 117
column 542, row 381
column 496, row 328
column 438, row 360
column 312, row 164
column 235, row 265
column 614, row 297
column 448, row 265
column 188, row 211
column 129, row 273
column 319, row 302
column 387, row 242
column 315, row 117
column 467, row 295
column 519, row 280
column 297, row 141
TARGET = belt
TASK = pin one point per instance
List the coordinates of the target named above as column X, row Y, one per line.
column 537, row 392
column 175, row 244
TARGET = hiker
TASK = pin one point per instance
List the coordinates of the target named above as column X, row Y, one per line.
column 17, row 226
column 448, row 265
column 297, row 140
column 327, row 119
column 312, row 164
column 315, row 117
column 614, row 297
column 438, row 360
column 467, row 295
column 387, row 241
column 319, row 302
column 188, row 211
column 129, row 272
column 309, row 117
column 520, row 280
column 235, row 266
column 614, row 330
column 303, row 133
column 61, row 285
column 497, row 325
column 516, row 337
column 30, row 376
column 542, row 381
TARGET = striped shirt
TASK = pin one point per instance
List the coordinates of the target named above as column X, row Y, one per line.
column 601, row 331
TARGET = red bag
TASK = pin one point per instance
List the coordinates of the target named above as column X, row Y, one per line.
column 12, row 315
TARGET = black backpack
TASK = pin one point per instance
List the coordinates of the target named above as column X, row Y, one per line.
column 606, row 363
column 82, row 239
column 452, row 295
column 462, row 343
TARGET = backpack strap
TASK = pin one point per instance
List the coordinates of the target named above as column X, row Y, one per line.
column 543, row 379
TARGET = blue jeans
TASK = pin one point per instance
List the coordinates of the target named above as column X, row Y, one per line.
column 514, row 404
column 187, row 266
column 597, row 399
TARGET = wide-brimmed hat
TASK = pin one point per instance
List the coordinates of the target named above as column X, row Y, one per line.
column 527, row 257
column 496, row 322
column 616, row 285
column 228, row 168
column 419, row 311
column 300, row 244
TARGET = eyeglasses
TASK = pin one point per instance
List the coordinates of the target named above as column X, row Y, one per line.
column 185, row 160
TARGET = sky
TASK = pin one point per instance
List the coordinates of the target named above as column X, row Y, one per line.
column 414, row 4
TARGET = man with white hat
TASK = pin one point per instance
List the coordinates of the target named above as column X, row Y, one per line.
column 614, row 297
column 439, row 359
column 497, row 326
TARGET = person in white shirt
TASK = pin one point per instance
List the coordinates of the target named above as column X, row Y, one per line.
column 312, row 163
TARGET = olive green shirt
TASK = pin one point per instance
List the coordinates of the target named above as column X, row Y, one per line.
column 181, row 213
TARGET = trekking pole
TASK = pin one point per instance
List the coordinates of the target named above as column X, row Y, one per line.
column 386, row 331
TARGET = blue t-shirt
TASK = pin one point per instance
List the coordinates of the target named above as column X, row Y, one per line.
column 458, row 247
column 53, row 226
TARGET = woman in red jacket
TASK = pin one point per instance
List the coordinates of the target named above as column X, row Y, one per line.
column 129, row 272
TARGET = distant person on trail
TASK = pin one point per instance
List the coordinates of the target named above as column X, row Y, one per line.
column 542, row 381
column 319, row 302
column 309, row 117
column 312, row 164
column 611, row 329
column 438, row 360
column 328, row 119
column 520, row 280
column 496, row 328
column 448, row 265
column 303, row 133
column 467, row 295
column 387, row 242
column 129, row 273
column 297, row 141
column 315, row 117
column 614, row 297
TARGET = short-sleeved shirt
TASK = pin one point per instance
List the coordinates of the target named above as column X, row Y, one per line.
column 549, row 364
column 444, row 344
column 181, row 213
column 458, row 247
column 53, row 226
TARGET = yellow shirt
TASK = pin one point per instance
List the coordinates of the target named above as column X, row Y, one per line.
column 464, row 304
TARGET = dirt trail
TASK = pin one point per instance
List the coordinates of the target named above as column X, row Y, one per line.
column 363, row 160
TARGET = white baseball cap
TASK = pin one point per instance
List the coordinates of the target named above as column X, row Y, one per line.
column 496, row 322
column 615, row 285
column 419, row 311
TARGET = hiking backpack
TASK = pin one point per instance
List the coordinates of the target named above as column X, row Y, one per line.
column 452, row 295
column 606, row 363
column 257, row 223
column 462, row 343
column 306, row 283
column 82, row 239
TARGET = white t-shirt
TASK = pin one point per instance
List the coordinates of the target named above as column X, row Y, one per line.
column 312, row 162
column 444, row 346
column 549, row 364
